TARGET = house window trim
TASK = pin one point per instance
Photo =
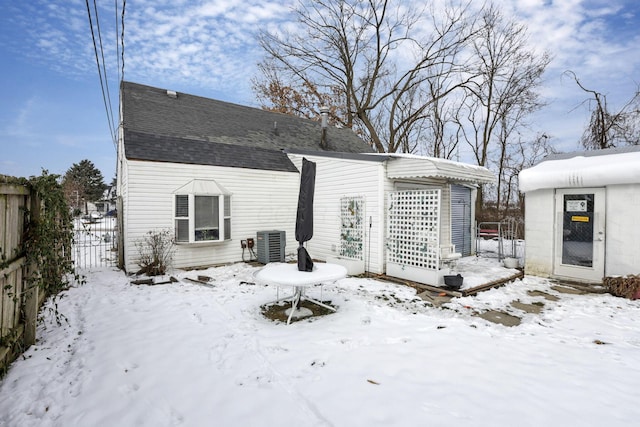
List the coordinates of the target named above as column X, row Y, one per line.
column 223, row 199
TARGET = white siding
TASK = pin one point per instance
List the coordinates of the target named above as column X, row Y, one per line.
column 622, row 230
column 261, row 200
column 539, row 232
column 336, row 178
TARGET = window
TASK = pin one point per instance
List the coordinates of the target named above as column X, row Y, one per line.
column 182, row 218
column 202, row 218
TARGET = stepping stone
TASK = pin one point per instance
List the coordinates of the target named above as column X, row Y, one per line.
column 500, row 317
column 528, row 308
column 568, row 290
column 434, row 298
column 544, row 295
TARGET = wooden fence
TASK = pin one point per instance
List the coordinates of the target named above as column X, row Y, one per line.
column 19, row 302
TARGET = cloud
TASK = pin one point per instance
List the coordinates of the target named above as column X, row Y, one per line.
column 209, row 47
column 211, row 43
column 20, row 126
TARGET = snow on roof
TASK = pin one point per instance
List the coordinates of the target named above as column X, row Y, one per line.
column 403, row 165
column 584, row 169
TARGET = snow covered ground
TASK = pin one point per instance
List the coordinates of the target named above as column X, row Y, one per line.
column 193, row 355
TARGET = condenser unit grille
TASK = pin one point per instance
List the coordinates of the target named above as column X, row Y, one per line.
column 271, row 246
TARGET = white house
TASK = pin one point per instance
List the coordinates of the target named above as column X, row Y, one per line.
column 581, row 213
column 216, row 174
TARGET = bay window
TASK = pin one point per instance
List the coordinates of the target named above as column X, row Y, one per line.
column 202, row 217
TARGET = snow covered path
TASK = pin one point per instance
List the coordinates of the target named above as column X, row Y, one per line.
column 185, row 354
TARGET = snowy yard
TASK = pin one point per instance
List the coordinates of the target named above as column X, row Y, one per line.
column 192, row 355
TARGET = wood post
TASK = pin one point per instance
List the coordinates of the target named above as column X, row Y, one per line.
column 31, row 308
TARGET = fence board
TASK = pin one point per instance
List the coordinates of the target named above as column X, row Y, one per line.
column 14, row 200
column 14, row 189
column 11, row 286
column 4, row 226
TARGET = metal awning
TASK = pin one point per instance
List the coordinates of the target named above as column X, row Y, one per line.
column 402, row 166
column 203, row 187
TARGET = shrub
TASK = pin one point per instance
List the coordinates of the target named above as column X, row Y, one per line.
column 627, row 286
column 156, row 252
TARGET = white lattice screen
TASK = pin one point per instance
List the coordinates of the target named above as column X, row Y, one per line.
column 351, row 227
column 414, row 229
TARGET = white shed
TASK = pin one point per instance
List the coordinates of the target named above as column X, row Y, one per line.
column 581, row 215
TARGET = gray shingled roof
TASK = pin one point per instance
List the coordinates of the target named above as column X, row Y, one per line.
column 196, row 130
column 161, row 148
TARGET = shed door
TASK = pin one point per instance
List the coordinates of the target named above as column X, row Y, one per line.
column 461, row 219
column 580, row 234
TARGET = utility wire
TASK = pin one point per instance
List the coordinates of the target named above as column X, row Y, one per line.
column 106, row 79
column 121, row 57
column 102, row 83
column 124, row 4
column 119, row 52
column 115, row 4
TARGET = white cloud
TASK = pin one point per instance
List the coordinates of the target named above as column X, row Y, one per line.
column 209, row 47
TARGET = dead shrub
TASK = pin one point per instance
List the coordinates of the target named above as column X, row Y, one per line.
column 156, row 252
column 626, row 287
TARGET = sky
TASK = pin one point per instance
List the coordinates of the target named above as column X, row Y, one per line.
column 53, row 113
column 187, row 354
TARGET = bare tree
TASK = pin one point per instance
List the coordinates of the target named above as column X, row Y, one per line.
column 607, row 129
column 442, row 130
column 527, row 154
column 504, row 91
column 377, row 58
column 303, row 100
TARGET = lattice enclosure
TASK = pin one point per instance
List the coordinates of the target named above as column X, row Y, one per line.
column 351, row 227
column 414, row 228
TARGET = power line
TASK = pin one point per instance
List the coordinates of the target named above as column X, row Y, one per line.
column 120, row 51
column 119, row 20
column 115, row 4
column 106, row 79
column 124, row 4
column 102, row 82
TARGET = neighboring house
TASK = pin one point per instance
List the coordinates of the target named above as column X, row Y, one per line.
column 216, row 174
column 108, row 202
column 581, row 213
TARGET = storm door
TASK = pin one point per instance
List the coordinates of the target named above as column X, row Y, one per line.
column 580, row 219
column 461, row 219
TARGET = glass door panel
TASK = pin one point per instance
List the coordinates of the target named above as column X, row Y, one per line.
column 577, row 230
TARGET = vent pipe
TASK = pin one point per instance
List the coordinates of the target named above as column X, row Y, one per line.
column 324, row 122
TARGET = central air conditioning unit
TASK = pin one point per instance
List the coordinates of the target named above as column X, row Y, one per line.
column 271, row 246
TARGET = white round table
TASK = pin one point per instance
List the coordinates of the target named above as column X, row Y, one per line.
column 283, row 274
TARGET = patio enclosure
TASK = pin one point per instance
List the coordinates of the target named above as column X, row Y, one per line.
column 413, row 244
